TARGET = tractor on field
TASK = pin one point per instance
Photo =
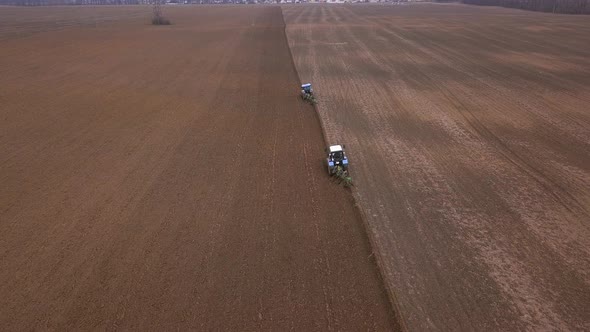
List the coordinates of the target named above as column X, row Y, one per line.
column 336, row 160
column 307, row 93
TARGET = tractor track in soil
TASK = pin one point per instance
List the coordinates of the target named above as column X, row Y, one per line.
column 170, row 178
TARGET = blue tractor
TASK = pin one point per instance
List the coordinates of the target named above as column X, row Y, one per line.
column 337, row 160
column 307, row 93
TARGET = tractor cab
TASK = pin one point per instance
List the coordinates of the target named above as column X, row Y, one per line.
column 337, row 155
column 306, row 88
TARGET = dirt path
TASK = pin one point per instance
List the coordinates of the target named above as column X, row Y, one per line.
column 171, row 178
column 469, row 135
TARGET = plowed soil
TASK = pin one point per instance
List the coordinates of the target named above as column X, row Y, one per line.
column 468, row 131
column 170, row 178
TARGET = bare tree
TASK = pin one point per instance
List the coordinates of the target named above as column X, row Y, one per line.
column 158, row 18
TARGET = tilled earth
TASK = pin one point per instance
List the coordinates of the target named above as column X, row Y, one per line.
column 170, row 178
column 468, row 131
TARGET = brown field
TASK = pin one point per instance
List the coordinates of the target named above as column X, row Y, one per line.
column 169, row 178
column 468, row 130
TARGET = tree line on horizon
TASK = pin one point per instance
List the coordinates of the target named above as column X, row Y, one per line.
column 126, row 2
column 71, row 2
column 550, row 6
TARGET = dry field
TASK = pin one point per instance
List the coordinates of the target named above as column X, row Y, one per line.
column 169, row 178
column 468, row 130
